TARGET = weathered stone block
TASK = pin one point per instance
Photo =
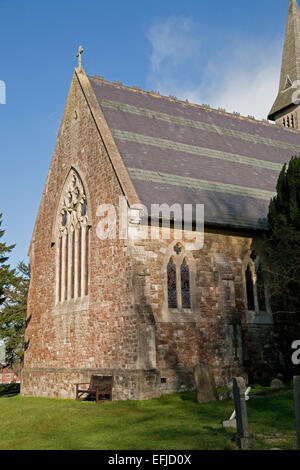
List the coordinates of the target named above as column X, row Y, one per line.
column 276, row 383
column 205, row 383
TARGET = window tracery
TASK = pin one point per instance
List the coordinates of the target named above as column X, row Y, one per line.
column 73, row 241
column 178, row 280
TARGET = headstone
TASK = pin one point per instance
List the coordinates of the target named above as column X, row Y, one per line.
column 228, row 395
column 205, row 383
column 231, row 422
column 243, row 438
column 297, row 406
column 276, row 383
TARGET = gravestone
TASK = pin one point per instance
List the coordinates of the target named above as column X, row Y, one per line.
column 297, row 406
column 243, row 438
column 276, row 384
column 205, row 383
column 231, row 422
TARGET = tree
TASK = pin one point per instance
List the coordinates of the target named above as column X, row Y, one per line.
column 6, row 273
column 13, row 318
column 280, row 253
column 284, row 209
column 14, row 286
column 282, row 245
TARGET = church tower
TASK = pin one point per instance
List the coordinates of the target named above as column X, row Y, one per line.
column 286, row 110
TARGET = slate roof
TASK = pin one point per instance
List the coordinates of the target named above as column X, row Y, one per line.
column 178, row 152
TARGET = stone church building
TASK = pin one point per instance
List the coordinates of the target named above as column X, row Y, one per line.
column 147, row 310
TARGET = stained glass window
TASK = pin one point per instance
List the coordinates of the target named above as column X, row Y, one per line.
column 185, row 285
column 172, row 287
column 250, row 290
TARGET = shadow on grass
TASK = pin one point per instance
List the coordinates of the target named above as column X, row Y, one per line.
column 9, row 395
column 273, row 412
column 171, row 422
column 190, row 396
column 9, row 390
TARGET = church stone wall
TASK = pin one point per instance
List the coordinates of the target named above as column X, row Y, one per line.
column 98, row 332
column 262, row 358
column 213, row 330
column 59, row 383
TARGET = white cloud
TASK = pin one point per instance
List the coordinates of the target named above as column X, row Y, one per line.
column 173, row 42
column 242, row 76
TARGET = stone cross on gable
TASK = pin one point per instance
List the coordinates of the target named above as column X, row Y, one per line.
column 80, row 51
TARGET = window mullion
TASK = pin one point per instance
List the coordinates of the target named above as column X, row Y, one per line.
column 83, row 259
column 76, row 259
column 69, row 285
column 63, row 267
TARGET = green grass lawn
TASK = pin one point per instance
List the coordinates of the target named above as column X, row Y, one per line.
column 168, row 423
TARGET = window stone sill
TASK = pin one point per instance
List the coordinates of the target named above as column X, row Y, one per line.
column 73, row 305
column 261, row 318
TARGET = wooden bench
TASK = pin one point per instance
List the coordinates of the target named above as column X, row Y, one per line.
column 100, row 387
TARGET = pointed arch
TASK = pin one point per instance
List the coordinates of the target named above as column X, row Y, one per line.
column 250, row 288
column 288, row 83
column 261, row 293
column 185, row 284
column 179, row 273
column 72, row 232
column 172, row 284
column 256, row 286
column 292, row 121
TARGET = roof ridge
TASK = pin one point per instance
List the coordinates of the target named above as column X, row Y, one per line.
column 156, row 94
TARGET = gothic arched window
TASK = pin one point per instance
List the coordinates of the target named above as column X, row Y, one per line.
column 292, row 121
column 261, row 296
column 250, row 289
column 185, row 285
column 257, row 298
column 178, row 280
column 172, row 284
column 73, row 241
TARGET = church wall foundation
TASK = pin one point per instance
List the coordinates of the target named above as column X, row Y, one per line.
column 60, row 383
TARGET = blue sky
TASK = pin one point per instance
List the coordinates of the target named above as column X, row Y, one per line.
column 223, row 53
